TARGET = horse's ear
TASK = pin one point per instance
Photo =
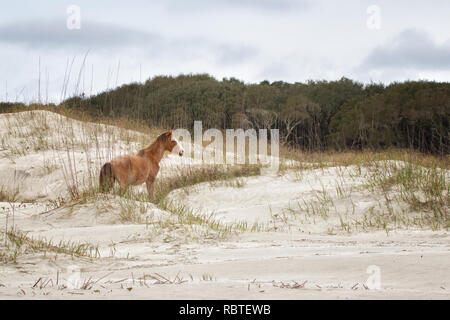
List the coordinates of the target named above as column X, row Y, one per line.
column 169, row 135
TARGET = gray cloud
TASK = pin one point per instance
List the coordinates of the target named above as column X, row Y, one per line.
column 228, row 54
column 409, row 50
column 55, row 34
column 277, row 5
column 275, row 70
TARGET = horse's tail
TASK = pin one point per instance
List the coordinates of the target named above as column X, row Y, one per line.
column 106, row 177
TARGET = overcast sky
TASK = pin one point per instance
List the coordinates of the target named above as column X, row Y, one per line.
column 252, row 40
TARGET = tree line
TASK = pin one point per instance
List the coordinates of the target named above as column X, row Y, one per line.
column 316, row 115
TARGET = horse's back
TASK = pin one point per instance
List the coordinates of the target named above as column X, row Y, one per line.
column 131, row 170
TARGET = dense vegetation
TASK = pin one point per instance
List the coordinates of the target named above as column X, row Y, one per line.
column 318, row 115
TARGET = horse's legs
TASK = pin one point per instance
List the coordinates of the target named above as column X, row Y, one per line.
column 122, row 190
column 123, row 187
column 150, row 181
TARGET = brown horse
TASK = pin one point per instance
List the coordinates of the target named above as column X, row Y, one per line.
column 142, row 167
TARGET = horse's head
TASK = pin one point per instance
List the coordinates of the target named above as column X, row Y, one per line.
column 172, row 144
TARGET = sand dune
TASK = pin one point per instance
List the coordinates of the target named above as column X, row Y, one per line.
column 289, row 239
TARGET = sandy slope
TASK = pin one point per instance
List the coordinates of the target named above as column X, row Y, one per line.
column 293, row 256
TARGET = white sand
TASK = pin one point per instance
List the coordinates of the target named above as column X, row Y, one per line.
column 298, row 256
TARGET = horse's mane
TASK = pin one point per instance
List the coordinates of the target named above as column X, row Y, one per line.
column 152, row 147
column 162, row 137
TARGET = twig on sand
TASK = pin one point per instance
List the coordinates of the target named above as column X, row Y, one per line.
column 160, row 279
column 59, row 207
column 35, row 284
column 108, row 274
column 295, row 285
